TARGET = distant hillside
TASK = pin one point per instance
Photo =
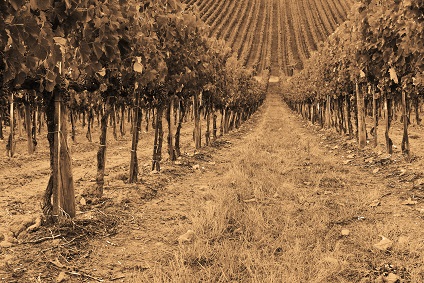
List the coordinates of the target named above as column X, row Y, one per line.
column 274, row 34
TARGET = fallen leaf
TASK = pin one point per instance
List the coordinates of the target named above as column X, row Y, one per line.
column 376, row 170
column 369, row 160
column 375, row 203
column 61, row 277
column 186, row 237
column 57, row 263
column 346, row 162
column 384, row 244
column 196, row 167
column 250, row 200
column 83, row 201
column 350, row 156
column 419, row 182
column 409, row 201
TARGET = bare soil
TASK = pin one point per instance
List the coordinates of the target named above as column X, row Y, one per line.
column 278, row 200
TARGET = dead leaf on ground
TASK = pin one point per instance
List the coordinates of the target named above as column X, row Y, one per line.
column 384, row 244
column 61, row 277
column 250, row 200
column 376, row 170
column 351, row 156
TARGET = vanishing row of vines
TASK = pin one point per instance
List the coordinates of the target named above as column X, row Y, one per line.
column 371, row 65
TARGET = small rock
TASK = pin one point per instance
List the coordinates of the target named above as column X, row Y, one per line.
column 392, row 278
column 403, row 240
column 369, row 160
column 384, row 244
column 6, row 244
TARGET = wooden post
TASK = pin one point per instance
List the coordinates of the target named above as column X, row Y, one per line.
column 135, row 138
column 197, row 126
column 170, row 117
column 101, row 153
column 362, row 134
column 28, row 125
column 405, row 139
column 389, row 143
column 12, row 130
column 375, row 116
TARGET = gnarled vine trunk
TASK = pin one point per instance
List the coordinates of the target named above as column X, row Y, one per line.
column 59, row 198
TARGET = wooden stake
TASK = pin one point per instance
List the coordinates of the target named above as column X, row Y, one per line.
column 362, row 134
column 405, row 139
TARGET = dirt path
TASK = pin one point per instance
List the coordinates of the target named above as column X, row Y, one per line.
column 276, row 201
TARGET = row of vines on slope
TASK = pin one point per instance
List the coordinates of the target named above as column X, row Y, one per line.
column 373, row 63
column 251, row 27
column 65, row 58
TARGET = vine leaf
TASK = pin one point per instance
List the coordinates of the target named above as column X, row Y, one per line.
column 393, row 75
column 138, row 67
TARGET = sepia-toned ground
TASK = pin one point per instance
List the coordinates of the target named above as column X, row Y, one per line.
column 278, row 200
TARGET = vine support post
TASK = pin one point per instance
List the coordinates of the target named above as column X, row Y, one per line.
column 197, row 126
column 405, row 139
column 157, row 148
column 28, row 125
column 375, row 116
column 362, row 134
column 171, row 119
column 12, row 126
column 180, row 118
column 135, row 137
column 389, row 143
column 101, row 153
column 327, row 112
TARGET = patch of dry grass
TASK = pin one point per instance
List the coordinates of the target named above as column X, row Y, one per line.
column 277, row 216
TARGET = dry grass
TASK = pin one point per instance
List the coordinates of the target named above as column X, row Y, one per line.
column 277, row 216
